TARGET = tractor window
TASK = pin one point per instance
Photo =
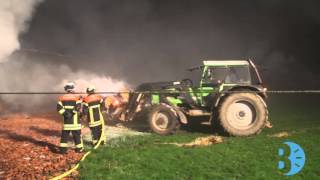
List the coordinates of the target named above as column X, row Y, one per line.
column 238, row 74
column 228, row 75
column 215, row 74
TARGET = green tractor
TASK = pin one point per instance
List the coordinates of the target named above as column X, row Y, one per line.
column 229, row 93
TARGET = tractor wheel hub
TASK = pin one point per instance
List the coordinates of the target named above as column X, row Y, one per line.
column 240, row 115
column 161, row 121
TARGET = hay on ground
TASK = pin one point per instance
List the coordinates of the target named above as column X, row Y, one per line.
column 280, row 134
column 200, row 142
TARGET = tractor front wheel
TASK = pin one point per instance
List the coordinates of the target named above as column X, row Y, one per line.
column 162, row 120
column 243, row 114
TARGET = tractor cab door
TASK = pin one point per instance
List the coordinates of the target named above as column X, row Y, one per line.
column 211, row 82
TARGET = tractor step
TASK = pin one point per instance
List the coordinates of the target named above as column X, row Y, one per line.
column 198, row 112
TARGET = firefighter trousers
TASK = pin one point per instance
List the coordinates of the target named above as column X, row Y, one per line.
column 96, row 134
column 76, row 134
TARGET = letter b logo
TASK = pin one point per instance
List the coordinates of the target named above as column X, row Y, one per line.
column 296, row 158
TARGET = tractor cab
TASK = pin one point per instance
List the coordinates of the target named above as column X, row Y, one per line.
column 216, row 76
column 227, row 72
column 214, row 73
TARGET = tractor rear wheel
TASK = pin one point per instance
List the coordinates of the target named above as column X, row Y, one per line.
column 162, row 120
column 243, row 114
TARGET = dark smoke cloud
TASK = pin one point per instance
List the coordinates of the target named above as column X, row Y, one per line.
column 158, row 39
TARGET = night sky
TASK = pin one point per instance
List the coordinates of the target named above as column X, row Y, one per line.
column 154, row 40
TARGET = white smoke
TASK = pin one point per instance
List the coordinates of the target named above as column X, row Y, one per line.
column 101, row 83
column 22, row 73
column 14, row 18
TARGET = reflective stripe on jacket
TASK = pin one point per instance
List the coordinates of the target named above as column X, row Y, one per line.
column 69, row 106
column 92, row 105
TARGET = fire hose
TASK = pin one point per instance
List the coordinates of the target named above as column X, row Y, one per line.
column 67, row 173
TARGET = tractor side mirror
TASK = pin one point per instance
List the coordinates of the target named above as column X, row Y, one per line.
column 213, row 83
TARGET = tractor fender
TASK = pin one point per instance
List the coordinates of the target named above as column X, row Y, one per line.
column 178, row 113
column 182, row 117
column 259, row 91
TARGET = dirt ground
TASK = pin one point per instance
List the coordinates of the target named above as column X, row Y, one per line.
column 29, row 147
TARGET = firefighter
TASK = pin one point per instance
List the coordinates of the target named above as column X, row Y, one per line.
column 92, row 108
column 69, row 106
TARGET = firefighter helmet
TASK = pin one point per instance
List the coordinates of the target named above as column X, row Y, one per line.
column 91, row 89
column 69, row 87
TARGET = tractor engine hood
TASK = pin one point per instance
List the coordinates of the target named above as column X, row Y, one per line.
column 154, row 86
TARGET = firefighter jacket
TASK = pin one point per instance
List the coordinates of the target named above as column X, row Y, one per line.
column 69, row 106
column 92, row 105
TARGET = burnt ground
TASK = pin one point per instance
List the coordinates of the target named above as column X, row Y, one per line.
column 29, row 147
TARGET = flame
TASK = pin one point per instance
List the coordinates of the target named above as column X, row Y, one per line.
column 116, row 103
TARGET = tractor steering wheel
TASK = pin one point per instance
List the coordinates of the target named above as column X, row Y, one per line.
column 187, row 83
